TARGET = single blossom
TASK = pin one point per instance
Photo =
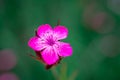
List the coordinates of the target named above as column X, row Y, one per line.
column 47, row 45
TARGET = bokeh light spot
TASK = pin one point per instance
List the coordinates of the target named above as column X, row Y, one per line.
column 110, row 45
column 7, row 60
column 8, row 76
column 114, row 5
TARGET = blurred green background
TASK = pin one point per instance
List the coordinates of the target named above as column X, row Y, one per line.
column 94, row 34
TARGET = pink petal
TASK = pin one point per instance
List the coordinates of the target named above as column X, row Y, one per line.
column 36, row 44
column 43, row 29
column 65, row 49
column 60, row 32
column 49, row 56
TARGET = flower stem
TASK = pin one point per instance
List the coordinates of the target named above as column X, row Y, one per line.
column 55, row 73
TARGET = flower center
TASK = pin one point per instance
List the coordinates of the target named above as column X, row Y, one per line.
column 50, row 41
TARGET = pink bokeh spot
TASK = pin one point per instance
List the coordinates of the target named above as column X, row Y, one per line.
column 48, row 43
column 8, row 60
column 8, row 76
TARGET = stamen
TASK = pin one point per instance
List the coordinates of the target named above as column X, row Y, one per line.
column 50, row 40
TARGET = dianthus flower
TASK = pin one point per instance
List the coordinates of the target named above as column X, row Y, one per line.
column 47, row 45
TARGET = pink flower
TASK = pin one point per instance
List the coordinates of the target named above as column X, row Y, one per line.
column 47, row 45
